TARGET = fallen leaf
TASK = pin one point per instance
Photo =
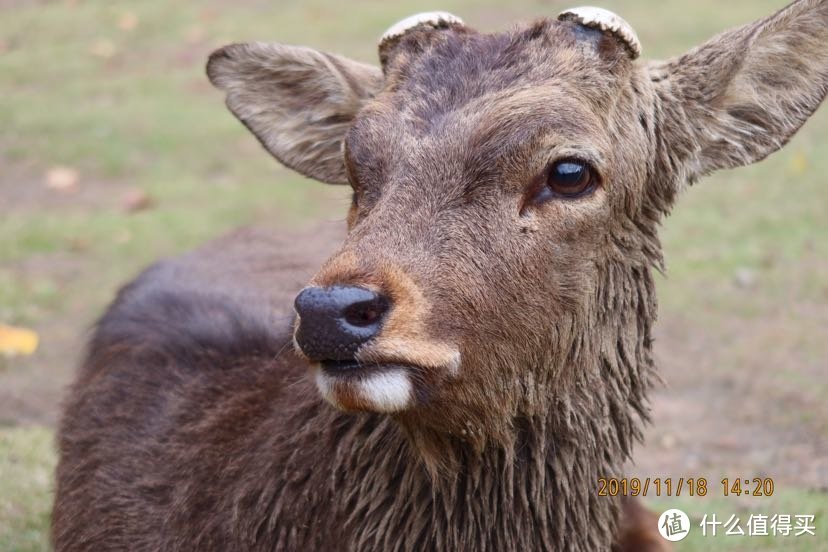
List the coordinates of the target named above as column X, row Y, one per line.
column 103, row 48
column 208, row 15
column 77, row 244
column 744, row 278
column 136, row 199
column 194, row 34
column 17, row 341
column 128, row 21
column 62, row 179
column 668, row 441
column 799, row 163
column 123, row 237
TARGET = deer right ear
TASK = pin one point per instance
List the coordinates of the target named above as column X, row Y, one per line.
column 742, row 95
column 297, row 101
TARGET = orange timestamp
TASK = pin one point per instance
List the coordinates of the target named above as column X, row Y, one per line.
column 690, row 486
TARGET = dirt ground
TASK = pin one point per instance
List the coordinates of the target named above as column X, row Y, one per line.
column 762, row 416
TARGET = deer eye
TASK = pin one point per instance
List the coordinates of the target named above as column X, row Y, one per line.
column 570, row 178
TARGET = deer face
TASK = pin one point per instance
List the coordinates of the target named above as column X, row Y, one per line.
column 506, row 193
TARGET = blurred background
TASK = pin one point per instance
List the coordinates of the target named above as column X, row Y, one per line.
column 115, row 151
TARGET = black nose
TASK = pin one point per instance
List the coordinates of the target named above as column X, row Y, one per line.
column 334, row 321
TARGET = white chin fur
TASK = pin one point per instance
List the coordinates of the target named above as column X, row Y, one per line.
column 386, row 391
column 389, row 391
column 326, row 385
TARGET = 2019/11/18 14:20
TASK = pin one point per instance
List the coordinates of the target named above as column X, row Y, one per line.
column 667, row 486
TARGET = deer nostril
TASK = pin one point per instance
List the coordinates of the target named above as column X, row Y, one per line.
column 366, row 313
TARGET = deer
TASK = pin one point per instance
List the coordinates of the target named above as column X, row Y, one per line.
column 474, row 350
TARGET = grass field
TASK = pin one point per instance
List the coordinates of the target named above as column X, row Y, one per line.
column 115, row 91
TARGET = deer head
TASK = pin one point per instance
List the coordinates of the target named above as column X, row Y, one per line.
column 507, row 190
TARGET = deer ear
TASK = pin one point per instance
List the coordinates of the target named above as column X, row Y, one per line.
column 742, row 95
column 297, row 101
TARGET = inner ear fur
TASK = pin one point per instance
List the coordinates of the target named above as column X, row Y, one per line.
column 742, row 95
column 299, row 102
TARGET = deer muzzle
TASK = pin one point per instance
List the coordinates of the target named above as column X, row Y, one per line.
column 364, row 333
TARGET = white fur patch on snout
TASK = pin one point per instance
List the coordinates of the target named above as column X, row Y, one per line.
column 435, row 19
column 607, row 21
column 388, row 391
column 385, row 391
column 325, row 384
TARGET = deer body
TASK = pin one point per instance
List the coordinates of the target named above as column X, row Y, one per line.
column 213, row 437
column 479, row 344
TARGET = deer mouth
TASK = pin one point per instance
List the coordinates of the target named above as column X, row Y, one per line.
column 354, row 368
column 342, row 367
column 385, row 376
column 352, row 385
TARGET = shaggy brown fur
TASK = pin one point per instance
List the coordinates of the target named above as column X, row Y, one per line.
column 193, row 426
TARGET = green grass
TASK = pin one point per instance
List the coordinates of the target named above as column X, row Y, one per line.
column 145, row 117
column 27, row 461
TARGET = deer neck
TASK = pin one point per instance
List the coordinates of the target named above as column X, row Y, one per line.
column 539, row 487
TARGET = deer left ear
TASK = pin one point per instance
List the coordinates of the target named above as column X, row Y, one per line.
column 742, row 95
column 299, row 102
